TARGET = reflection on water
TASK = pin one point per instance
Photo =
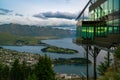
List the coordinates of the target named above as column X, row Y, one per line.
column 73, row 69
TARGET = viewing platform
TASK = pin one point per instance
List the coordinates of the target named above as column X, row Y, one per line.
column 96, row 33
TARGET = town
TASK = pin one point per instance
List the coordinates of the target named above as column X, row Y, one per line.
column 7, row 57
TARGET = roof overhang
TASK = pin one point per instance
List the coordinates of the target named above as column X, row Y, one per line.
column 90, row 23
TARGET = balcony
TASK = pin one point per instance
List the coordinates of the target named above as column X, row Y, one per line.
column 95, row 33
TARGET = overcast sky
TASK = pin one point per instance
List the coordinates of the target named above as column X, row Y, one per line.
column 40, row 12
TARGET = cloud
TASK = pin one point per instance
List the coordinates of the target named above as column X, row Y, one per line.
column 5, row 10
column 2, row 13
column 64, row 15
column 68, row 1
column 35, row 21
column 40, row 15
column 17, row 14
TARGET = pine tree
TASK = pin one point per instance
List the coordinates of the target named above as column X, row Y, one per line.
column 5, row 72
column 32, row 77
column 15, row 73
column 25, row 70
column 104, row 65
column 117, row 53
column 1, row 67
column 43, row 69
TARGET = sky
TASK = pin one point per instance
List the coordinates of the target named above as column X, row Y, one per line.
column 40, row 12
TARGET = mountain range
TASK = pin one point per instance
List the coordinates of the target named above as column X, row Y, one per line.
column 34, row 31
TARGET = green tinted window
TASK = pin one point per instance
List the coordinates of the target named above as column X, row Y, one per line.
column 101, row 31
column 96, row 13
column 91, row 15
column 99, row 12
column 103, row 11
column 113, row 26
column 110, row 28
column 110, row 6
column 79, row 32
column 116, row 26
column 116, row 5
column 106, row 7
column 85, row 32
column 116, row 22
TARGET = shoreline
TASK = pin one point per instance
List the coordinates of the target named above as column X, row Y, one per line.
column 71, row 61
column 58, row 50
column 40, row 44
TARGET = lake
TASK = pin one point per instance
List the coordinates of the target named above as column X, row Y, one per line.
column 65, row 43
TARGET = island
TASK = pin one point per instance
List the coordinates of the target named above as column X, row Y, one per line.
column 8, row 56
column 25, row 63
column 75, row 61
column 55, row 49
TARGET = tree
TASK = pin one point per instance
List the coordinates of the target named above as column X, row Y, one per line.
column 102, row 68
column 41, row 71
column 117, row 53
column 32, row 77
column 25, row 70
column 5, row 72
column 44, row 70
column 110, row 75
column 15, row 73
column 1, row 67
column 104, row 65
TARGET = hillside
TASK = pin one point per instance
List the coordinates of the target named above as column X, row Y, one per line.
column 33, row 31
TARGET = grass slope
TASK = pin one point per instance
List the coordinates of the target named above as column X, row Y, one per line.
column 9, row 39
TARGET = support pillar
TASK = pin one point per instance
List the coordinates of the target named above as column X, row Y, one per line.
column 108, row 56
column 94, row 56
column 87, row 68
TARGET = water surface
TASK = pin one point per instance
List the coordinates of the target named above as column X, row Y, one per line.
column 65, row 43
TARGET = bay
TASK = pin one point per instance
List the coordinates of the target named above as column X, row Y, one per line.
column 64, row 43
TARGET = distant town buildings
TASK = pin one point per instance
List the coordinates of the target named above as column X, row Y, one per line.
column 8, row 57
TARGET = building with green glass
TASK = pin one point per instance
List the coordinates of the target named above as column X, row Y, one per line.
column 100, row 31
column 103, row 25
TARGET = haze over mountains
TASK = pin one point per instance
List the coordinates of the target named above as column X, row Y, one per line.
column 23, row 14
column 33, row 31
